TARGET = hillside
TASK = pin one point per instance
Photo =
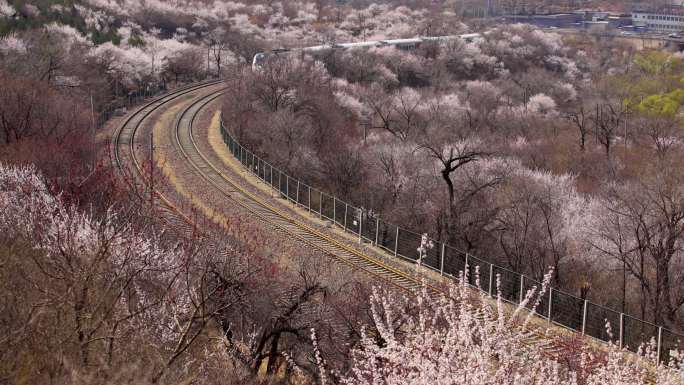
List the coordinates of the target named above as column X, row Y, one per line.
column 552, row 159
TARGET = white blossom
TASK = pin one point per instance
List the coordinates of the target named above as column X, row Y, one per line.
column 12, row 43
column 6, row 10
column 541, row 104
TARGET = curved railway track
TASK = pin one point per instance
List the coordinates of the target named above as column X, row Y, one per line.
column 295, row 228
column 123, row 147
column 276, row 218
column 123, row 144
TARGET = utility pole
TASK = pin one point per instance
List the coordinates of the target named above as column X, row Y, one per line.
column 208, row 54
column 92, row 123
column 152, row 170
column 92, row 112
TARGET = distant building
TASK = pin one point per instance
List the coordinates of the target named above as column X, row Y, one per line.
column 559, row 20
column 670, row 22
column 592, row 20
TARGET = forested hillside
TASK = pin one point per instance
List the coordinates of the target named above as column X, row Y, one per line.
column 553, row 156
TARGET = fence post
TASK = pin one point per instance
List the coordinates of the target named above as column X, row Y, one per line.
column 334, row 211
column 287, row 187
column 346, row 206
column 309, row 201
column 550, row 302
column 360, row 226
column 584, row 317
column 660, row 338
column 280, row 176
column 320, row 205
column 622, row 325
column 377, row 229
column 441, row 261
column 297, row 196
column 253, row 170
column 491, row 277
column 466, row 271
column 522, row 287
column 396, row 242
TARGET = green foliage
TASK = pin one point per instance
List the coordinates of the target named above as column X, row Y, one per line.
column 667, row 104
column 659, row 63
column 100, row 37
column 136, row 40
column 658, row 89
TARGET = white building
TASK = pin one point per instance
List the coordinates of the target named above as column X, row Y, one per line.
column 658, row 22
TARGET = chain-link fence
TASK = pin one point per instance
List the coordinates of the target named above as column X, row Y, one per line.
column 120, row 106
column 555, row 306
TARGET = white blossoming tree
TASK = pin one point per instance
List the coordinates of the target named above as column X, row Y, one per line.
column 465, row 338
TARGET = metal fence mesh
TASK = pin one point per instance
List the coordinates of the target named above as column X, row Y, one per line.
column 597, row 318
column 340, row 215
column 353, row 219
column 567, row 310
column 269, row 174
column 303, row 198
column 292, row 189
column 369, row 226
column 636, row 332
column 509, row 284
column 541, row 300
column 433, row 256
column 562, row 308
column 251, row 162
column 408, row 244
column 282, row 184
column 454, row 261
column 328, row 207
column 387, row 236
column 316, row 201
column 478, row 269
column 670, row 341
column 261, row 169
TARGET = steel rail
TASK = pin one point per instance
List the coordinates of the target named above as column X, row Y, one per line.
column 123, row 140
column 277, row 218
column 314, row 238
column 267, row 213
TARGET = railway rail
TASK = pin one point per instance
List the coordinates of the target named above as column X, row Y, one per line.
column 123, row 146
column 275, row 217
column 123, row 152
column 298, row 229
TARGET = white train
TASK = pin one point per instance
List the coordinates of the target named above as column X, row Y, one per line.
column 262, row 57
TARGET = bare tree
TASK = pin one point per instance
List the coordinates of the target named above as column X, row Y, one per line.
column 580, row 120
column 608, row 120
column 31, row 108
column 651, row 219
column 399, row 113
column 662, row 132
column 453, row 145
column 185, row 65
column 529, row 229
